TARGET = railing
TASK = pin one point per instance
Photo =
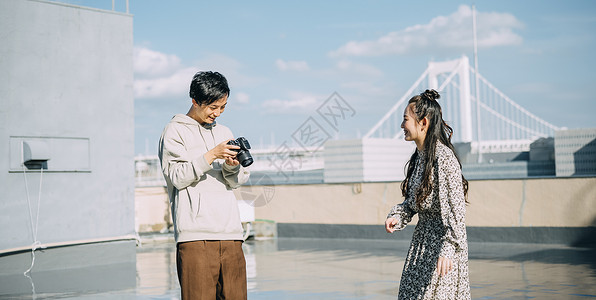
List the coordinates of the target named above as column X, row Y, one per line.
column 104, row 4
column 148, row 171
column 502, row 118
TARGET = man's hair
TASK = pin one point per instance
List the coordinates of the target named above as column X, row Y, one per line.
column 207, row 87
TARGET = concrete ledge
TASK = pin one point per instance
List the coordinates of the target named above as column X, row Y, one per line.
column 340, row 231
column 573, row 236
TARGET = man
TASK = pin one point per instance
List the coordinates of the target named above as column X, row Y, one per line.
column 201, row 170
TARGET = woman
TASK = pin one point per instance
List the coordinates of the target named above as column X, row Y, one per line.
column 436, row 266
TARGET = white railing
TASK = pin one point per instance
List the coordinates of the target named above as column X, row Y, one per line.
column 97, row 4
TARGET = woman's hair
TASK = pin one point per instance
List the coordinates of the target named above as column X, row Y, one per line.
column 207, row 87
column 426, row 105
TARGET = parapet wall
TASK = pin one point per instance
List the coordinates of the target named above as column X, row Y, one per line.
column 550, row 202
column 552, row 210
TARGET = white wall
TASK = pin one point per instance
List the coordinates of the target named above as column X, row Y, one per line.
column 366, row 160
column 66, row 82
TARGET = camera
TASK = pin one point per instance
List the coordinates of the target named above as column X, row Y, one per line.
column 243, row 155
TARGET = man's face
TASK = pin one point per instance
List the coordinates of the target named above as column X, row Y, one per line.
column 208, row 113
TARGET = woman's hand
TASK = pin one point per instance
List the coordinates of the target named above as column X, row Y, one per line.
column 223, row 151
column 444, row 265
column 389, row 224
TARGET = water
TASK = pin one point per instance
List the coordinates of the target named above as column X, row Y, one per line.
column 313, row 269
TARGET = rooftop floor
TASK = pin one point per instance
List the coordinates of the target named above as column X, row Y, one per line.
column 291, row 268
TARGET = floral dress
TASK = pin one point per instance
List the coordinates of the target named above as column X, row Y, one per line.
column 440, row 231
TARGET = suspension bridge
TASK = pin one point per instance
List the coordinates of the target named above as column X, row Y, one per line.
column 478, row 112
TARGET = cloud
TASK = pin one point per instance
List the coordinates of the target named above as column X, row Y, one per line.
column 453, row 32
column 349, row 67
column 159, row 75
column 241, row 97
column 298, row 102
column 175, row 84
column 291, row 65
column 371, row 89
column 163, row 75
column 149, row 63
column 231, row 68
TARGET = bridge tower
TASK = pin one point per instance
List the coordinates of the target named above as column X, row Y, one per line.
column 458, row 70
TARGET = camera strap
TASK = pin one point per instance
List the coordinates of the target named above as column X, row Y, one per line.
column 203, row 137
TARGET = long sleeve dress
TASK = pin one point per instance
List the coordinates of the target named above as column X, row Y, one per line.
column 440, row 231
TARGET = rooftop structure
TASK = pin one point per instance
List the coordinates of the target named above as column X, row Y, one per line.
column 575, row 152
column 66, row 125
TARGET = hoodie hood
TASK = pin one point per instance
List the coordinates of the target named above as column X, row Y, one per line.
column 184, row 119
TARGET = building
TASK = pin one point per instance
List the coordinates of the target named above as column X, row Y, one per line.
column 66, row 128
column 575, row 152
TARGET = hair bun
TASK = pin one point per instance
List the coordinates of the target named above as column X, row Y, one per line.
column 431, row 95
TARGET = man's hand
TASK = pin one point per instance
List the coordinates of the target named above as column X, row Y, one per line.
column 232, row 161
column 223, row 151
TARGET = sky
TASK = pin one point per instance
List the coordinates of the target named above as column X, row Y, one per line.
column 284, row 59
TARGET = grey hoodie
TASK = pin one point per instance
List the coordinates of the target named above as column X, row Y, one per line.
column 203, row 204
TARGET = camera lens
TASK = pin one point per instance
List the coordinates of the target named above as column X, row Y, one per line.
column 243, row 155
column 245, row 158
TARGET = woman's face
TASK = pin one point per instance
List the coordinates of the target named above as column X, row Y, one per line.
column 206, row 114
column 413, row 130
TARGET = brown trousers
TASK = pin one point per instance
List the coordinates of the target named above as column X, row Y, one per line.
column 209, row 270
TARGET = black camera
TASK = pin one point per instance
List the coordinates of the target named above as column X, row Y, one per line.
column 243, row 155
